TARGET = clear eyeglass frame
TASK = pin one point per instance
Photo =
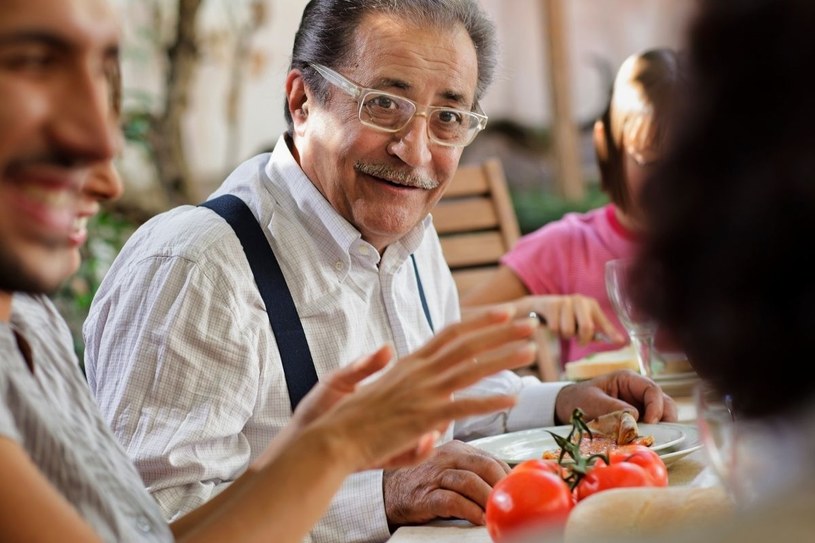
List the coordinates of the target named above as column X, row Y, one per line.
column 446, row 126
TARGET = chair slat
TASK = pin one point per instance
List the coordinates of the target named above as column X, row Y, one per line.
column 473, row 249
column 465, row 214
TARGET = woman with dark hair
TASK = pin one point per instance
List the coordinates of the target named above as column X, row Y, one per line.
column 725, row 266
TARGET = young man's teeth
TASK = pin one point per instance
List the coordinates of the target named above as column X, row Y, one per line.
column 81, row 223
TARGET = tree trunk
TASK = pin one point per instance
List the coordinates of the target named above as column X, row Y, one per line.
column 166, row 134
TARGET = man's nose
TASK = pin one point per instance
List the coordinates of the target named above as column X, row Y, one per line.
column 82, row 124
column 412, row 145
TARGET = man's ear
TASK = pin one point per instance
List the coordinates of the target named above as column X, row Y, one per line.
column 297, row 97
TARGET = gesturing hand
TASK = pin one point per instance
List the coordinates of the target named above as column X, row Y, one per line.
column 394, row 420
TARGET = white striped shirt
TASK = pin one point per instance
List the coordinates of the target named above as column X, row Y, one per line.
column 52, row 416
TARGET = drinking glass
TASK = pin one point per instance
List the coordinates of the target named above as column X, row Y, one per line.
column 716, row 422
column 750, row 459
column 640, row 327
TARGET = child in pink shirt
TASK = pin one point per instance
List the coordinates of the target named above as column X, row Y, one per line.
column 568, row 256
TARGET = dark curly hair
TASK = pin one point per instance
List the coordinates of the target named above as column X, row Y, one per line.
column 725, row 265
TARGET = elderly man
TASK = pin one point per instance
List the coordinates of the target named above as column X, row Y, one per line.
column 381, row 98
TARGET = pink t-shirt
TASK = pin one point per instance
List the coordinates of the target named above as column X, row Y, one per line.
column 568, row 256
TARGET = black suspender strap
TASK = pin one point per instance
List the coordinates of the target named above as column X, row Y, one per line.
column 421, row 294
column 298, row 365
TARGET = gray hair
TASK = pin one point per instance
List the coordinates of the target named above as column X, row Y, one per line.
column 327, row 28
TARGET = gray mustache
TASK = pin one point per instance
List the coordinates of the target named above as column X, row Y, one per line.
column 395, row 175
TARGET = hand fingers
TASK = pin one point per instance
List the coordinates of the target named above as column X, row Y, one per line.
column 481, row 343
column 587, row 312
column 474, row 405
column 514, row 355
column 637, row 388
column 606, row 404
column 608, row 328
column 452, row 332
column 450, row 504
column 659, row 406
column 567, row 324
column 463, row 491
column 345, row 379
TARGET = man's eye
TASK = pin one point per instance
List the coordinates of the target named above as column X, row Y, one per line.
column 448, row 116
column 28, row 61
column 383, row 102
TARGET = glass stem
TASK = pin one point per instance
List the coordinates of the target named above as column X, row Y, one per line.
column 644, row 347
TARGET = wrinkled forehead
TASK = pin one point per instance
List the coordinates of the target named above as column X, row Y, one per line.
column 405, row 53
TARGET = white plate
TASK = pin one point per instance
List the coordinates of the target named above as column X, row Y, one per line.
column 690, row 444
column 667, row 377
column 515, row 447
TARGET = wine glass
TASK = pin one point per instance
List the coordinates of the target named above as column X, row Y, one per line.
column 749, row 458
column 716, row 421
column 640, row 327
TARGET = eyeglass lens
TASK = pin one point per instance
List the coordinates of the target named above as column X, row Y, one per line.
column 392, row 113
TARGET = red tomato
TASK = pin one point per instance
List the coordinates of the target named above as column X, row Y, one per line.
column 603, row 477
column 644, row 457
column 539, row 464
column 528, row 499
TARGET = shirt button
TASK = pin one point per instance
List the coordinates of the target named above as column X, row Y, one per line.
column 338, row 265
column 363, row 250
column 143, row 525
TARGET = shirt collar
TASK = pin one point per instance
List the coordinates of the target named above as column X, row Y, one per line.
column 619, row 227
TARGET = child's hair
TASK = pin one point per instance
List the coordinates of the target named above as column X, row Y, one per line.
column 635, row 120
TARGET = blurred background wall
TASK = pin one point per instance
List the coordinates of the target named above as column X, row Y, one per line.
column 219, row 131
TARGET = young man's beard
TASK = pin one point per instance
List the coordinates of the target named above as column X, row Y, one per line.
column 15, row 278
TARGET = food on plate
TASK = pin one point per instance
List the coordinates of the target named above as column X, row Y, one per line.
column 665, row 363
column 675, row 362
column 601, row 363
column 619, row 465
column 606, row 433
column 634, row 513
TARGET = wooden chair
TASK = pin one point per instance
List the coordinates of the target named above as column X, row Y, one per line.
column 477, row 225
column 476, row 222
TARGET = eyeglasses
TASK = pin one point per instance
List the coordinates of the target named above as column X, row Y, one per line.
column 391, row 113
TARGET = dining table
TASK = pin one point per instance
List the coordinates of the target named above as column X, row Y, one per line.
column 686, row 471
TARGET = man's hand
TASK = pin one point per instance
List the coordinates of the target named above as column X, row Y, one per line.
column 614, row 391
column 453, row 483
